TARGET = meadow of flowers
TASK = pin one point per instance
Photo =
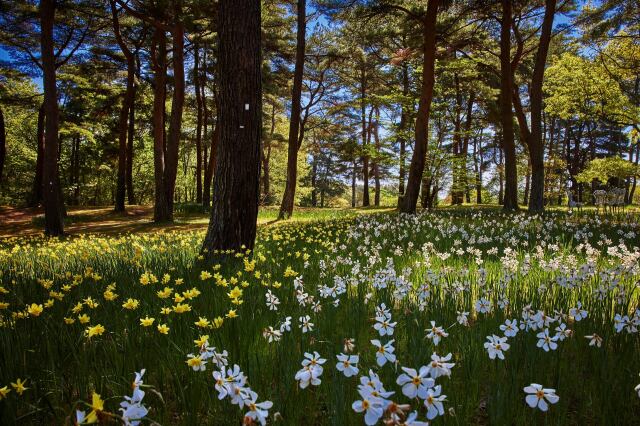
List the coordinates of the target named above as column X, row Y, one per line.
column 454, row 317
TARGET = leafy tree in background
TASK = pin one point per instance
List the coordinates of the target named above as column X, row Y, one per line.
column 607, row 169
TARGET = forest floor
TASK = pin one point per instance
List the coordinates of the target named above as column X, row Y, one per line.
column 16, row 221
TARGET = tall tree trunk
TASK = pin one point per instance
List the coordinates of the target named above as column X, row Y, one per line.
column 456, row 190
column 366, row 202
column 131, row 197
column 477, row 166
column 127, row 103
column 266, row 157
column 500, row 166
column 72, row 171
column 237, row 184
column 199, row 100
column 365, row 154
column 206, row 160
column 535, row 142
column 416, row 168
column 211, row 165
column 376, row 163
column 354, row 173
column 425, row 192
column 527, row 186
column 464, row 152
column 286, row 208
column 506, row 112
column 635, row 178
column 159, row 59
column 3, row 144
column 53, row 214
column 404, row 120
column 177, row 106
column 314, row 181
column 35, row 197
column 266, row 174
column 76, row 171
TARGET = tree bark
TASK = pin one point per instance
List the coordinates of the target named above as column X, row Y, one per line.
column 506, row 112
column 456, row 190
column 237, row 184
column 131, row 197
column 464, row 153
column 266, row 158
column 376, row 159
column 527, row 185
column 404, row 119
column 196, row 83
column 3, row 144
column 425, row 192
column 159, row 58
column 286, row 208
column 76, row 170
column 354, row 173
column 535, row 142
column 416, row 168
column 500, row 166
column 365, row 133
column 210, row 170
column 53, row 213
column 477, row 165
column 127, row 103
column 35, row 197
column 177, row 106
column 635, row 178
column 314, row 181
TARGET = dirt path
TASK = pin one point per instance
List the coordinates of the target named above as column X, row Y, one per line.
column 17, row 222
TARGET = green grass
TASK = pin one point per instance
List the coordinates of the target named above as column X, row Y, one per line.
column 595, row 385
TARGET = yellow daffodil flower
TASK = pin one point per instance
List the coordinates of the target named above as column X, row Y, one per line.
column 146, row 321
column 19, row 386
column 34, row 309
